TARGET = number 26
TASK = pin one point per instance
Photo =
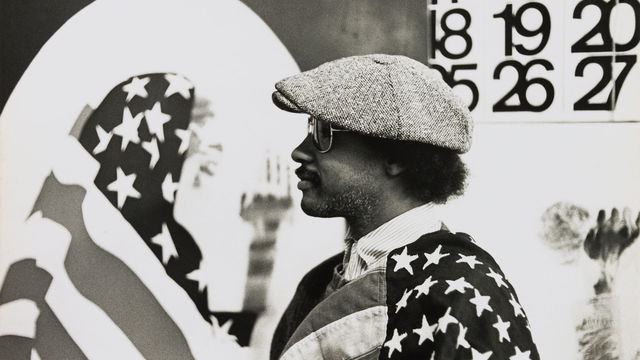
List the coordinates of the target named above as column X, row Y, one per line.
column 521, row 86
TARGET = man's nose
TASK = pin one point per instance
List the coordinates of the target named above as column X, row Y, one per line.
column 303, row 153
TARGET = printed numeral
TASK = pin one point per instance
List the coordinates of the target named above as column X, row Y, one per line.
column 512, row 21
column 521, row 86
column 440, row 44
column 449, row 78
column 606, row 63
column 601, row 29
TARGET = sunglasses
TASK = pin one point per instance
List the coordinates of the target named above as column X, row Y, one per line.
column 322, row 133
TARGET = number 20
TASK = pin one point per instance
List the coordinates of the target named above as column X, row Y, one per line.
column 602, row 27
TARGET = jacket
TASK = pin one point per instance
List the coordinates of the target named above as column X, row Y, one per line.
column 440, row 297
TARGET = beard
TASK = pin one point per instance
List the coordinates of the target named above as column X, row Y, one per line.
column 356, row 202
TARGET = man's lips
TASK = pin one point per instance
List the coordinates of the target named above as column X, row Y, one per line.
column 308, row 178
column 305, row 185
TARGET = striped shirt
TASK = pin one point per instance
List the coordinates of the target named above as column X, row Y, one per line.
column 370, row 251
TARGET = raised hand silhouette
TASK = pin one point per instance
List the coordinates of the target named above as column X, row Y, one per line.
column 607, row 240
column 264, row 208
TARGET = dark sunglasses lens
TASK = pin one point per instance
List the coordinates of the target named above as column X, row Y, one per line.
column 322, row 135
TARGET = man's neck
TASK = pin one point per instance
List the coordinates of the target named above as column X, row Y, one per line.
column 363, row 224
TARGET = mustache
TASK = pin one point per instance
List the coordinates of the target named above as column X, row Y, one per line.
column 306, row 174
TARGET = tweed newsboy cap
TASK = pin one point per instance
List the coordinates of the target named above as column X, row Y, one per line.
column 386, row 96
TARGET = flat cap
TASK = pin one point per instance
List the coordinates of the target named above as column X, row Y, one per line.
column 387, row 96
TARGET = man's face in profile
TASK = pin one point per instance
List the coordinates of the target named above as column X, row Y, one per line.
column 341, row 182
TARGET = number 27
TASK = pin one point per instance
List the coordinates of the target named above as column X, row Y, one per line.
column 606, row 63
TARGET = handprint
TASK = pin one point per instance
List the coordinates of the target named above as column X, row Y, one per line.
column 564, row 226
column 611, row 236
column 607, row 240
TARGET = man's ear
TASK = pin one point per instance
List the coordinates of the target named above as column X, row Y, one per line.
column 393, row 167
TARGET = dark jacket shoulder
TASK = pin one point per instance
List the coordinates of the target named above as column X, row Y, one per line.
column 308, row 294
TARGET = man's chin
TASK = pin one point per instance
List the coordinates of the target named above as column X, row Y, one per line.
column 348, row 204
column 314, row 208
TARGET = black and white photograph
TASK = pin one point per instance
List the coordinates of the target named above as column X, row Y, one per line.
column 326, row 179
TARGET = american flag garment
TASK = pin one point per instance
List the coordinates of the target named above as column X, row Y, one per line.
column 111, row 272
column 139, row 134
column 448, row 299
column 439, row 297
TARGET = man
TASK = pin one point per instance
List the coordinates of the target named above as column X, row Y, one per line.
column 384, row 139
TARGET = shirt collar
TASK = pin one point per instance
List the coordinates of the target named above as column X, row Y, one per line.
column 399, row 231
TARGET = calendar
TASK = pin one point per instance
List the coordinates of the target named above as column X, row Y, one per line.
column 539, row 61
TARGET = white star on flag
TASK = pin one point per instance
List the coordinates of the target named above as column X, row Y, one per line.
column 136, row 87
column 502, row 327
column 469, row 260
column 517, row 309
column 434, row 257
column 185, row 137
column 403, row 301
column 497, row 277
column 221, row 333
column 424, row 287
column 166, row 243
column 395, row 343
column 103, row 140
column 156, row 119
column 123, row 185
column 477, row 355
column 459, row 285
column 199, row 275
column 152, row 148
column 519, row 355
column 128, row 129
column 461, row 340
column 169, row 188
column 425, row 331
column 403, row 261
column 481, row 302
column 178, row 84
column 445, row 320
